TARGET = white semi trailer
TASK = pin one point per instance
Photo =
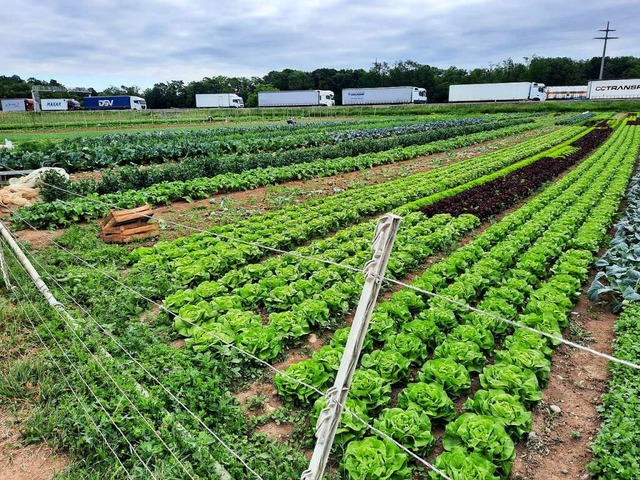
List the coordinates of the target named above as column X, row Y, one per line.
column 297, row 98
column 58, row 104
column 218, row 100
column 497, row 92
column 383, row 95
column 614, row 89
column 568, row 92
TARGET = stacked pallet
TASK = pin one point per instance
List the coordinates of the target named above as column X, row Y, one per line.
column 124, row 226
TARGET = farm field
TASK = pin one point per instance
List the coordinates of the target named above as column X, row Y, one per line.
column 206, row 353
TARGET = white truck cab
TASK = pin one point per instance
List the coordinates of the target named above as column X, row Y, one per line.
column 325, row 97
column 538, row 92
column 419, row 95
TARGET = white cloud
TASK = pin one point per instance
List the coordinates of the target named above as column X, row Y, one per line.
column 117, row 42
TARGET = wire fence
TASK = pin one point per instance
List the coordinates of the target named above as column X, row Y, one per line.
column 267, row 364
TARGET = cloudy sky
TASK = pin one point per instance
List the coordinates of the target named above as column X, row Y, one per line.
column 97, row 43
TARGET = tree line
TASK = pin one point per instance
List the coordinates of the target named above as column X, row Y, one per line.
column 551, row 71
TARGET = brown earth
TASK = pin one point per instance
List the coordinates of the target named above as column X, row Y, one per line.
column 20, row 462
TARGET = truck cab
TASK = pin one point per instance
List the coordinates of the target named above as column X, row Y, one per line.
column 236, row 101
column 538, row 92
column 419, row 95
column 138, row 103
column 326, row 98
column 73, row 104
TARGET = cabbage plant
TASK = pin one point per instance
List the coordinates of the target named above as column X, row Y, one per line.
column 504, row 407
column 428, row 397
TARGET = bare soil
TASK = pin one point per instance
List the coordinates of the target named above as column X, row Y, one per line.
column 30, row 462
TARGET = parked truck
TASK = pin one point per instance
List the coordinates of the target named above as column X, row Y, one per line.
column 116, row 102
column 614, row 89
column 383, row 95
column 569, row 92
column 218, row 100
column 59, row 104
column 297, row 98
column 17, row 105
column 497, row 92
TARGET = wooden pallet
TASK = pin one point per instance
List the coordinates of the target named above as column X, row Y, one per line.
column 124, row 226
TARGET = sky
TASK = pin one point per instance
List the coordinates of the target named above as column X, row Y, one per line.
column 98, row 43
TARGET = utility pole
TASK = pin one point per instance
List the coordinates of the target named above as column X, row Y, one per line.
column 604, row 49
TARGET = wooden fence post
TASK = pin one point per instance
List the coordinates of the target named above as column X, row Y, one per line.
column 329, row 418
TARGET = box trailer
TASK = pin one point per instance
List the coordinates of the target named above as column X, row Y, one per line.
column 614, row 89
column 383, row 95
column 59, row 104
column 218, row 100
column 497, row 92
column 569, row 92
column 116, row 102
column 17, row 104
column 296, row 98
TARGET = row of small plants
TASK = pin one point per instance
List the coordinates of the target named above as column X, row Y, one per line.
column 204, row 256
column 145, row 150
column 297, row 295
column 61, row 213
column 211, row 164
column 508, row 189
column 506, row 271
column 616, row 448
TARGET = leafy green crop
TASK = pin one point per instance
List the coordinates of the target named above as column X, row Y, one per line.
column 391, row 365
column 374, row 459
column 519, row 382
column 460, row 464
column 410, row 427
column 453, row 376
column 483, row 435
column 429, row 398
column 351, row 422
column 505, row 408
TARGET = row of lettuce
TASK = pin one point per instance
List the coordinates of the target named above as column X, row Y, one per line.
column 527, row 268
column 61, row 213
column 210, row 255
column 213, row 311
column 616, row 449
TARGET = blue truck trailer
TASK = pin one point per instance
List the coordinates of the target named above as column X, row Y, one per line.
column 115, row 102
